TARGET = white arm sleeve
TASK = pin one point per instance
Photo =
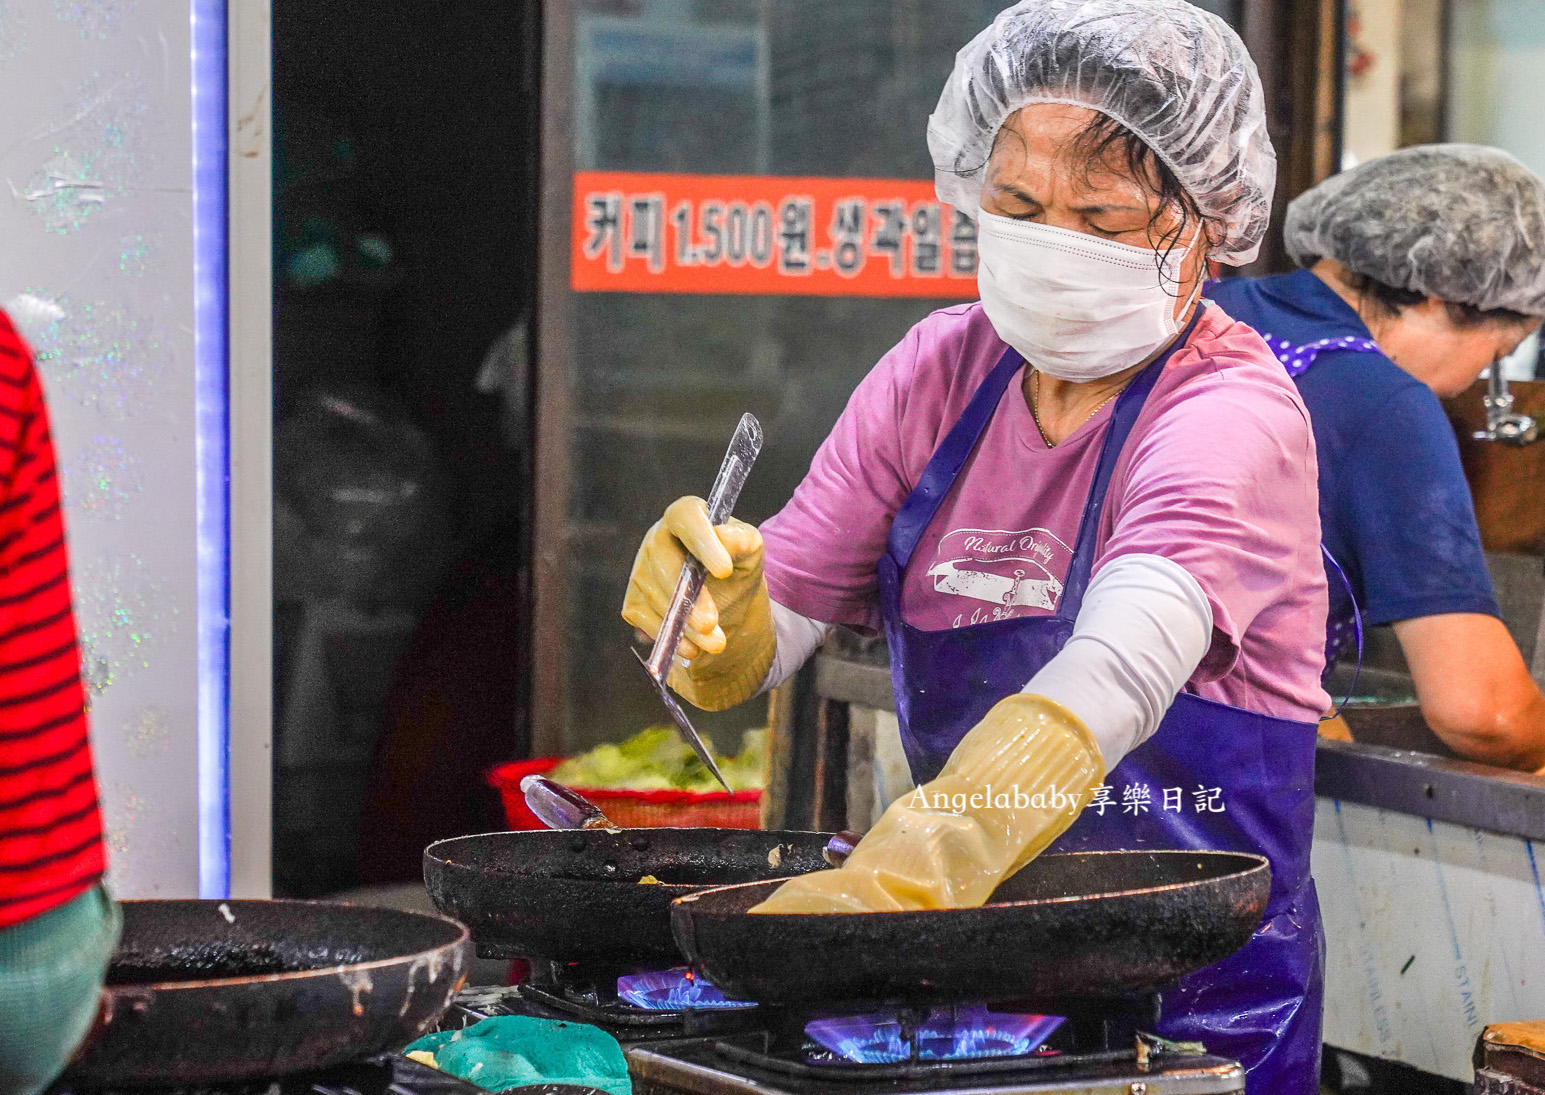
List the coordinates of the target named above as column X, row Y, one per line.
column 797, row 638
column 1144, row 627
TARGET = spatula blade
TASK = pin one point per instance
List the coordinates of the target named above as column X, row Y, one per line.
column 683, row 724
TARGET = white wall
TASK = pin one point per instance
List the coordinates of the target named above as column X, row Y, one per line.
column 96, row 224
column 1371, row 122
column 251, row 365
column 1497, row 76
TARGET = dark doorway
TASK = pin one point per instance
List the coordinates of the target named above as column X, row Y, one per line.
column 404, row 259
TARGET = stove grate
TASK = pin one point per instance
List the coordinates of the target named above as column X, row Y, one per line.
column 387, row 1074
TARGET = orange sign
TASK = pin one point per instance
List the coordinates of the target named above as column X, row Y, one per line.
column 768, row 235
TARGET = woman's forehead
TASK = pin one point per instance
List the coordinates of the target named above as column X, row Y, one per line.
column 1042, row 148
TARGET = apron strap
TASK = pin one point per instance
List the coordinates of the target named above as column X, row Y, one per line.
column 1300, row 359
column 939, row 476
column 1332, row 646
column 1129, row 405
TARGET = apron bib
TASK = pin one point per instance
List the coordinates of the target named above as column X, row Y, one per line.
column 1242, row 781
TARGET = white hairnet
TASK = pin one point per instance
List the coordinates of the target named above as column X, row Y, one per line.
column 1459, row 222
column 1176, row 76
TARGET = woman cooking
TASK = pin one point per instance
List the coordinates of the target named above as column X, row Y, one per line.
column 1083, row 510
column 1420, row 269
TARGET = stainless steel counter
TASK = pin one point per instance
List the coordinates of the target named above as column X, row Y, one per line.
column 1403, row 780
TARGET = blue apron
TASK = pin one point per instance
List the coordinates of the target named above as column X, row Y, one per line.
column 1245, row 781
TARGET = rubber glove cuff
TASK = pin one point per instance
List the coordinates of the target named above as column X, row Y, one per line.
column 1011, row 787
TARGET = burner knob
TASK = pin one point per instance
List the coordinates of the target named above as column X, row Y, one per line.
column 1138, row 1087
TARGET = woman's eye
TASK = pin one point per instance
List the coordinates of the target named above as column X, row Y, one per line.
column 1120, row 231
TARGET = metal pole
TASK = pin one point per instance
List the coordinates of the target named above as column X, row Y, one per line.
column 553, row 375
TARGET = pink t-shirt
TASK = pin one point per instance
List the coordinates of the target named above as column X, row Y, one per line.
column 1217, row 475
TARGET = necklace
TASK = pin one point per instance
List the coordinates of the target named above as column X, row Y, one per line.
column 1035, row 399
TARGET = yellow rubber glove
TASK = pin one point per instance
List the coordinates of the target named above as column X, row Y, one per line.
column 1011, row 787
column 729, row 642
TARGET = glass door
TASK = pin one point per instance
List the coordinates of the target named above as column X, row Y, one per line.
column 740, row 217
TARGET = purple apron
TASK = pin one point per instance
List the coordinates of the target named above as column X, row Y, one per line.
column 1241, row 781
column 1344, row 622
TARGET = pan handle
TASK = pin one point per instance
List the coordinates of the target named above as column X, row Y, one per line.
column 839, row 847
column 561, row 807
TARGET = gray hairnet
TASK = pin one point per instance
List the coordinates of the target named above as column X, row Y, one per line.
column 1459, row 222
column 1177, row 77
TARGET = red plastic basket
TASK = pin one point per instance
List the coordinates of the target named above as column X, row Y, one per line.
column 634, row 809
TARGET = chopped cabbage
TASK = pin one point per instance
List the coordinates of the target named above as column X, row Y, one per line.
column 656, row 759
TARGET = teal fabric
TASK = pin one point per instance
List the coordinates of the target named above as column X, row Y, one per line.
column 51, row 973
column 514, row 1050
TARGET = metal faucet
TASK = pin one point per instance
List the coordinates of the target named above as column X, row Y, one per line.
column 1502, row 424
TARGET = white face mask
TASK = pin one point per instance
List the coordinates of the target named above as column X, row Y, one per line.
column 1077, row 307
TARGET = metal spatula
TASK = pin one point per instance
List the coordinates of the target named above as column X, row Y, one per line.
column 742, row 453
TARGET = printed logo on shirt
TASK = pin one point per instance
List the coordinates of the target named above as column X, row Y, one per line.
column 1003, row 574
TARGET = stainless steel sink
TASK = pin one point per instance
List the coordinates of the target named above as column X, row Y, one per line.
column 1383, row 710
column 1374, row 686
column 1396, row 725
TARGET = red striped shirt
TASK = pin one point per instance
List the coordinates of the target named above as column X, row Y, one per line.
column 50, row 823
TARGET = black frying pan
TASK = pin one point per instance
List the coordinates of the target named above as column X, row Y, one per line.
column 220, row 991
column 1083, row 924
column 574, row 895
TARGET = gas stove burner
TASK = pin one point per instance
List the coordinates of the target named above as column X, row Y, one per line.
column 599, row 1011
column 943, row 1034
column 749, row 1065
column 943, row 1044
column 676, row 989
column 654, row 999
column 588, row 1001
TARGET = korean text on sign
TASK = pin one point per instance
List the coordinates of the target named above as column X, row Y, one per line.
column 766, row 235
